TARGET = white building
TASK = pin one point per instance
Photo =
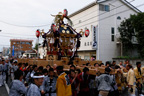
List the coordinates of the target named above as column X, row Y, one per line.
column 102, row 17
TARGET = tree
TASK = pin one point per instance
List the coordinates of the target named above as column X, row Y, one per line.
column 133, row 26
column 36, row 46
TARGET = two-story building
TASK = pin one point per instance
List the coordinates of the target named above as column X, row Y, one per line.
column 99, row 22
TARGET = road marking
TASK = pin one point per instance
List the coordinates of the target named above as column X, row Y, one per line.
column 7, row 88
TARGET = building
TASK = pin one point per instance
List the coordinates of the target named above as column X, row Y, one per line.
column 19, row 46
column 30, row 54
column 6, row 51
column 99, row 22
column 0, row 54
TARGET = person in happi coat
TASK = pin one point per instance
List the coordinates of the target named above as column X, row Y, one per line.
column 17, row 88
column 63, row 86
column 1, row 75
column 138, row 75
column 49, row 84
column 131, row 82
column 34, row 88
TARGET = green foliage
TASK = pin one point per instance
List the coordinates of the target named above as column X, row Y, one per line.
column 36, row 46
column 133, row 26
column 128, row 57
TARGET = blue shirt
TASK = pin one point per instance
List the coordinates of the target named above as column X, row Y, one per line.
column 17, row 88
column 33, row 90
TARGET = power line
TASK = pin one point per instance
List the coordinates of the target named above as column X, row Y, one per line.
column 104, row 12
column 16, row 37
column 109, row 16
column 4, row 45
column 17, row 34
column 23, row 25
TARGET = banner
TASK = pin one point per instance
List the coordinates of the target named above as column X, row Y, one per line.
column 13, row 50
column 95, row 37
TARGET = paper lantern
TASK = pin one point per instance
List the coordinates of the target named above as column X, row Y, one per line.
column 37, row 33
column 87, row 32
column 65, row 13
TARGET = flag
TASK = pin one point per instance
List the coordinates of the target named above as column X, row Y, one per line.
column 13, row 50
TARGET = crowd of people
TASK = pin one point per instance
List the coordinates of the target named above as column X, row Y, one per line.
column 33, row 80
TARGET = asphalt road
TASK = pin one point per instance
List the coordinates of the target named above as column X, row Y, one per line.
column 3, row 91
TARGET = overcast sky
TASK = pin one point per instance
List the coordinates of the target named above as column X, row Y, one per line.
column 16, row 13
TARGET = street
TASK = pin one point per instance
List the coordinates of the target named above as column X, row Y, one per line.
column 3, row 91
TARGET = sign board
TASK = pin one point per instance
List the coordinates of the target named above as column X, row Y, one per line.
column 13, row 50
column 95, row 36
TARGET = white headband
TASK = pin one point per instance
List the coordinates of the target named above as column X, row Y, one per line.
column 42, row 76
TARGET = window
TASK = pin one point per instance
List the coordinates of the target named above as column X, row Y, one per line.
column 17, row 42
column 85, row 44
column 104, row 8
column 14, row 43
column 107, row 8
column 90, row 43
column 22, row 42
column 118, row 18
column 86, row 58
column 79, row 21
column 28, row 43
column 112, row 34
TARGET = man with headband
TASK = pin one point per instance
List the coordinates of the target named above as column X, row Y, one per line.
column 33, row 89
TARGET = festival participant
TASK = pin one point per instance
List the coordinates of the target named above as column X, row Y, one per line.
column 107, row 64
column 49, row 84
column 5, row 68
column 12, row 70
column 84, row 80
column 121, row 64
column 34, row 88
column 54, row 67
column 15, row 65
column 72, row 67
column 34, row 70
column 119, row 78
column 63, row 86
column 125, row 64
column 96, row 65
column 23, row 68
column 17, row 88
column 30, row 74
column 74, row 81
column 138, row 75
column 1, row 76
column 45, row 72
column 104, row 82
column 40, row 69
column 130, row 80
column 48, row 67
column 113, row 65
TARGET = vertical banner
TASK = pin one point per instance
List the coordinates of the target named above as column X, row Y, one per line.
column 95, row 37
column 13, row 50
